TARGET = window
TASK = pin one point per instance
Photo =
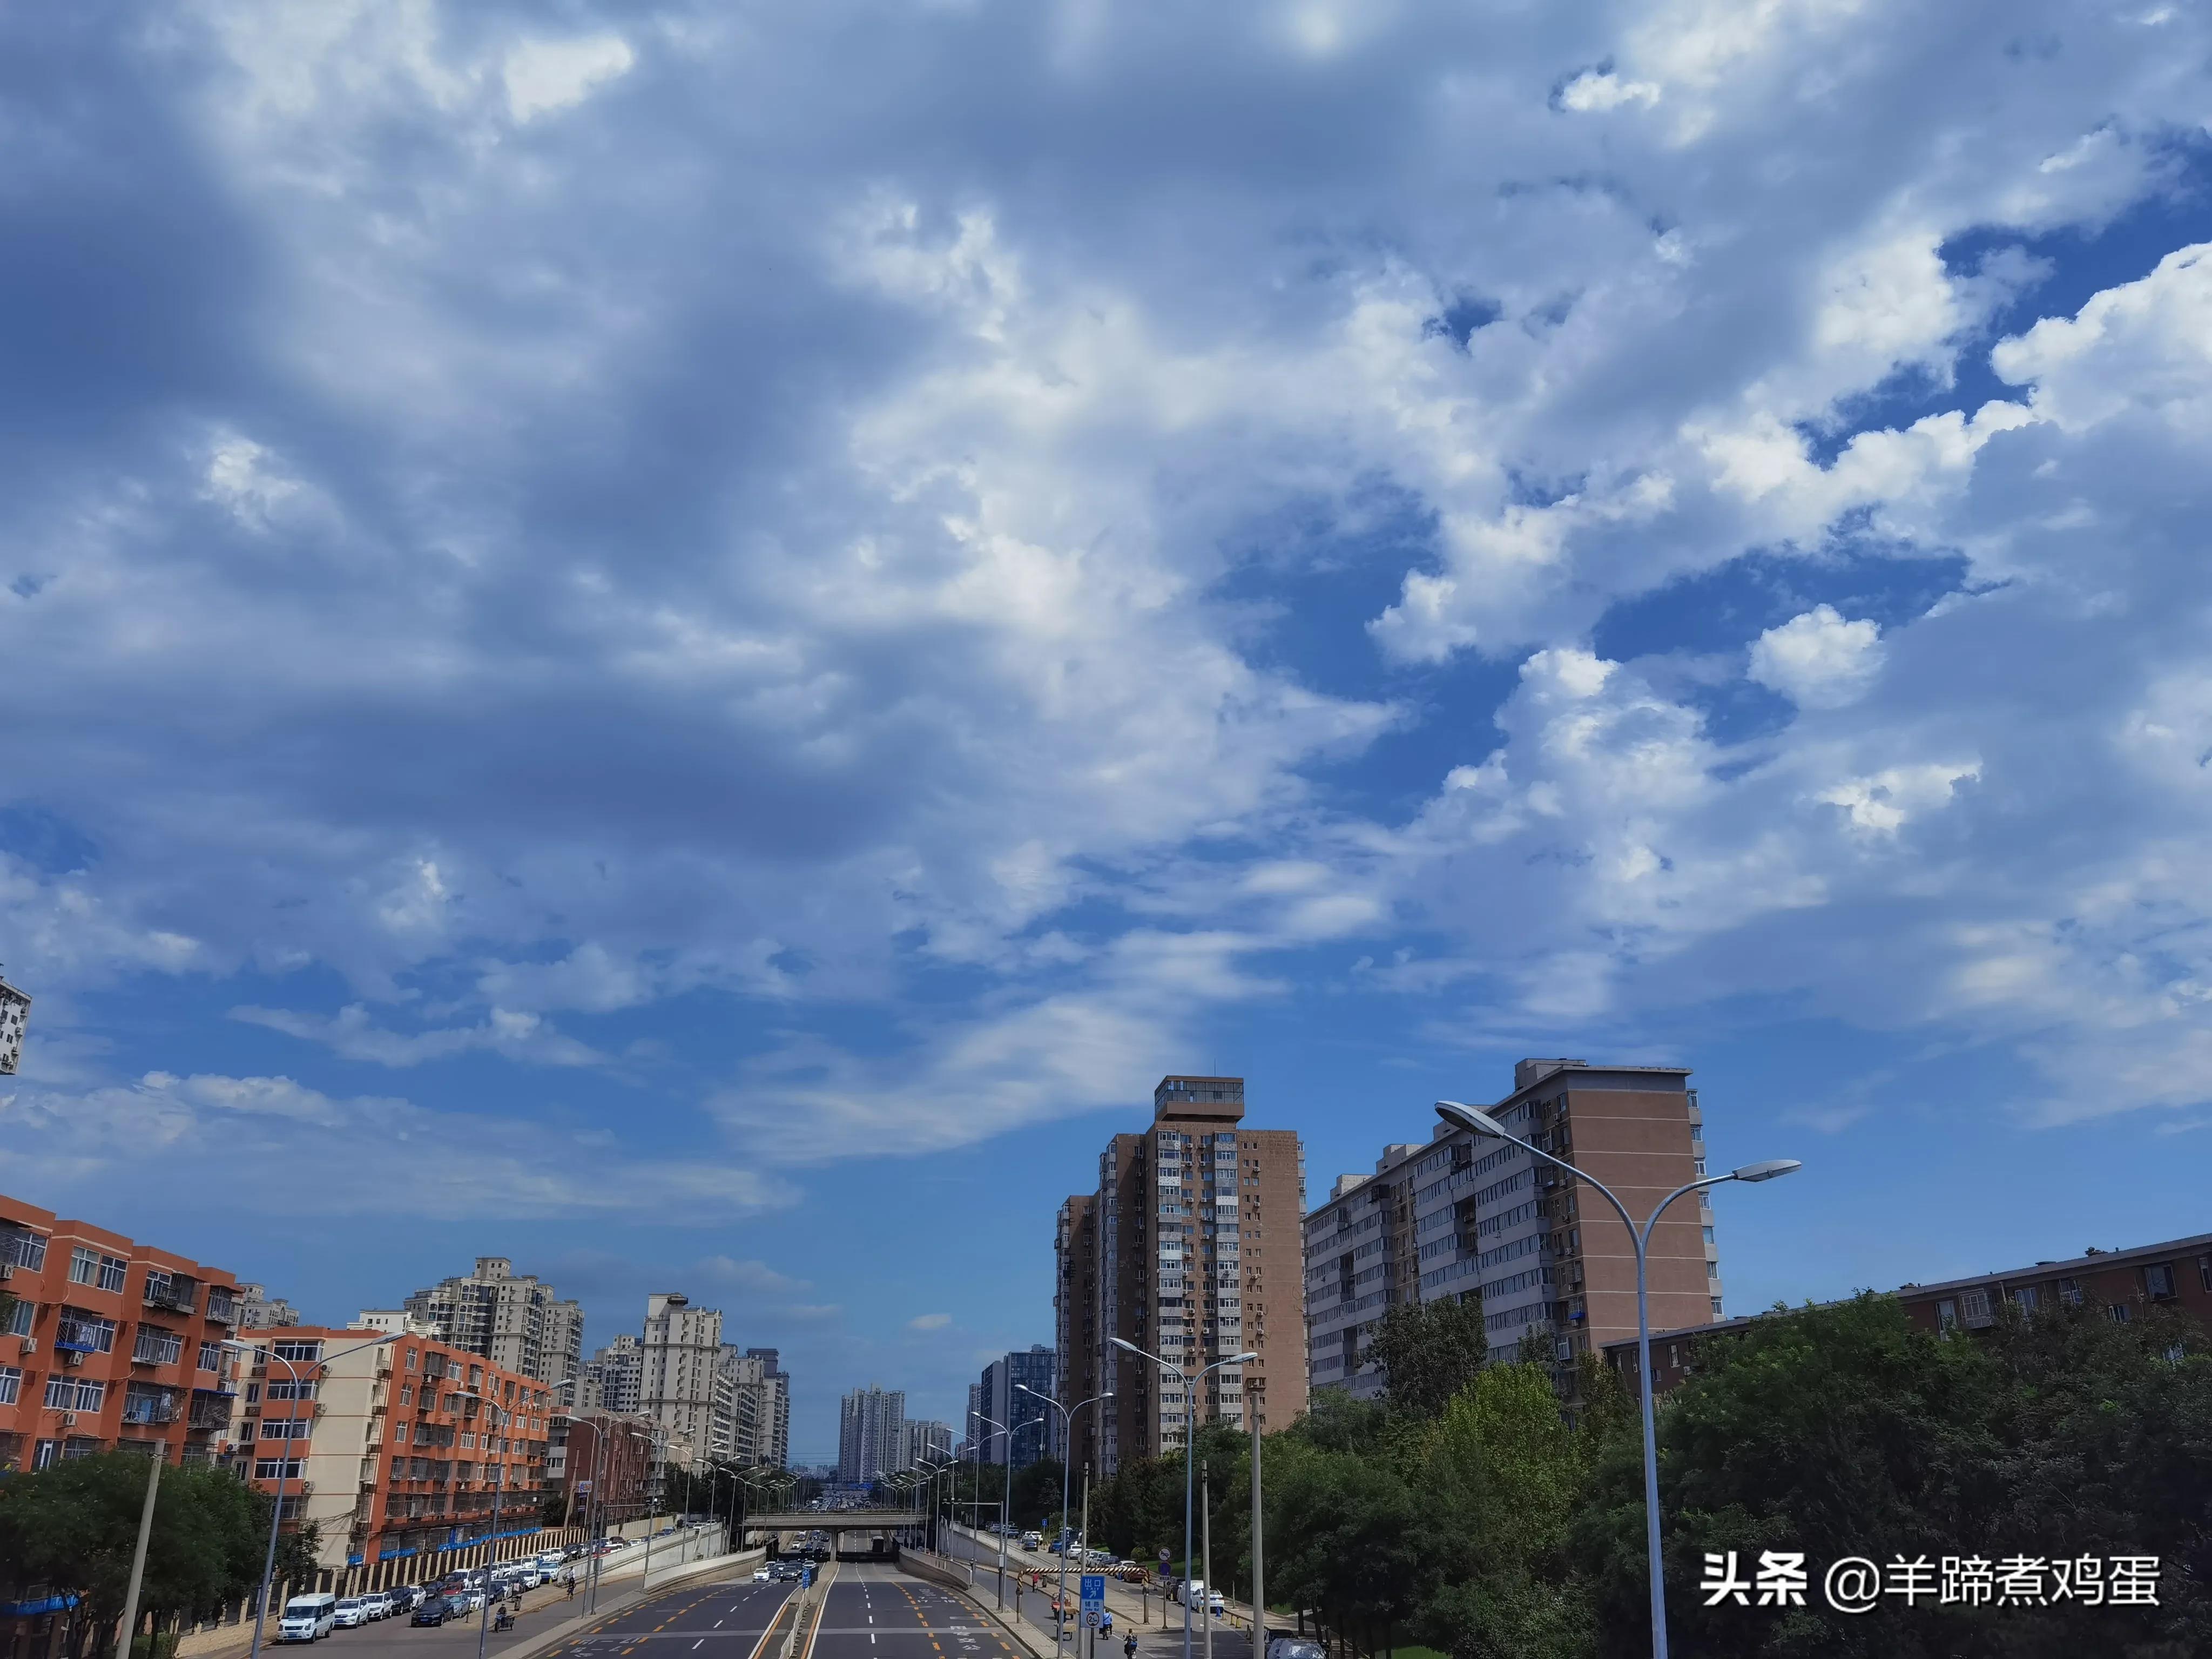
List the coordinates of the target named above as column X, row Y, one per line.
column 70, row 1393
column 111, row 1269
column 1716, row 1308
column 413, row 1355
column 86, row 1333
column 84, row 1265
column 1947, row 1314
column 1974, row 1307
column 2204, row 1271
column 210, row 1357
column 156, row 1347
column 299, row 1352
column 1708, row 1232
column 287, row 1428
column 284, row 1387
column 2158, row 1281
column 406, row 1393
column 11, row 1384
column 2026, row 1298
column 19, row 1319
column 274, row 1469
column 1713, row 1270
column 2070, row 1291
column 2118, row 1313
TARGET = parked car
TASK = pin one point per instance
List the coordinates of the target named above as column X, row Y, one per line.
column 348, row 1612
column 379, row 1603
column 1295, row 1647
column 434, row 1610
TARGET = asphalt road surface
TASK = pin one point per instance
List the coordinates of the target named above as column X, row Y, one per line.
column 876, row 1612
column 704, row 1621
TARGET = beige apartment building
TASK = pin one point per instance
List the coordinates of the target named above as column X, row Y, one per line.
column 1457, row 1216
column 1188, row 1248
column 515, row 1320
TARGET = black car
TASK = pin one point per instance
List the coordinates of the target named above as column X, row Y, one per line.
column 434, row 1610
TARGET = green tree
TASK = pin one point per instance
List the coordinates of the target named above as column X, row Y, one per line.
column 74, row 1524
column 1848, row 1430
column 1505, row 1474
column 1428, row 1351
column 1348, row 1536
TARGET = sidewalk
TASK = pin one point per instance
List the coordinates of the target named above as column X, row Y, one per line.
column 1142, row 1610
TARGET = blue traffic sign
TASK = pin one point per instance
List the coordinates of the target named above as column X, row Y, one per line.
column 1094, row 1598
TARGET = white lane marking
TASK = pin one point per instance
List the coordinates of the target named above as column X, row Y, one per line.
column 701, row 1643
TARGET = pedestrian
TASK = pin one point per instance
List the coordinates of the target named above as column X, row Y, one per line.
column 571, row 1582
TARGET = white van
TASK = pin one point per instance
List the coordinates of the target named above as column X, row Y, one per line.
column 308, row 1618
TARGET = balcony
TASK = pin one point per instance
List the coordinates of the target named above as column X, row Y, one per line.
column 223, row 1306
column 142, row 1410
column 77, row 1337
column 178, row 1295
column 21, row 1248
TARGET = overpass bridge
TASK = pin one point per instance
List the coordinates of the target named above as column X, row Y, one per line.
column 834, row 1520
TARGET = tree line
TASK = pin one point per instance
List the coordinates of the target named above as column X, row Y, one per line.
column 1464, row 1511
column 70, row 1529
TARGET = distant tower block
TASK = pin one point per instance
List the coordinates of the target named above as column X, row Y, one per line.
column 15, row 1015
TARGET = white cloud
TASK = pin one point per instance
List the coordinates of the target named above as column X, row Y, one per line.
column 933, row 1322
column 351, row 1033
column 543, row 75
column 1817, row 659
column 371, row 1156
column 629, row 571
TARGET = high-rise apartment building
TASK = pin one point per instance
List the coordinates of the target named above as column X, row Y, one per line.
column 1171, row 1253
column 925, row 1442
column 257, row 1311
column 613, row 1378
column 1457, row 1215
column 871, row 1433
column 15, row 1015
column 681, row 1382
column 772, row 1385
column 1032, row 1428
column 509, row 1318
column 109, row 1343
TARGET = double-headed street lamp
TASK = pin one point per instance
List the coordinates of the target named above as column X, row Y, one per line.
column 1066, row 1463
column 1189, row 1444
column 284, row 1461
column 1007, row 1502
column 1462, row 1116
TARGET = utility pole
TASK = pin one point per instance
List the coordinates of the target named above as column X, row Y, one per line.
column 1086, row 1544
column 1206, row 1549
column 138, row 1556
column 1259, row 1527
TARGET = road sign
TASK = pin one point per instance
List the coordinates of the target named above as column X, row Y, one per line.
column 1094, row 1598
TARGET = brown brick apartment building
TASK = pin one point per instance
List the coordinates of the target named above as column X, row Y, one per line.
column 1457, row 1215
column 1188, row 1248
column 2125, row 1283
column 109, row 1343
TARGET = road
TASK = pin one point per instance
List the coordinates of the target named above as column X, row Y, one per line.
column 876, row 1612
column 713, row 1621
column 1158, row 1627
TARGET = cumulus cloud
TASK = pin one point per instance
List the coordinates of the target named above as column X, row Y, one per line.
column 934, row 1322
column 541, row 547
column 1818, row 659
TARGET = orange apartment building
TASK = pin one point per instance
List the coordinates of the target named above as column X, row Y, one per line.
column 395, row 1451
column 109, row 1343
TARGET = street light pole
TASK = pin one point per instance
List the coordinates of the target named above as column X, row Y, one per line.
column 1462, row 1116
column 1190, row 1442
column 1004, row 1503
column 284, row 1463
column 1066, row 1466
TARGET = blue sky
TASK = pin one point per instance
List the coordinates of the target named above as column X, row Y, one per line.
column 691, row 644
